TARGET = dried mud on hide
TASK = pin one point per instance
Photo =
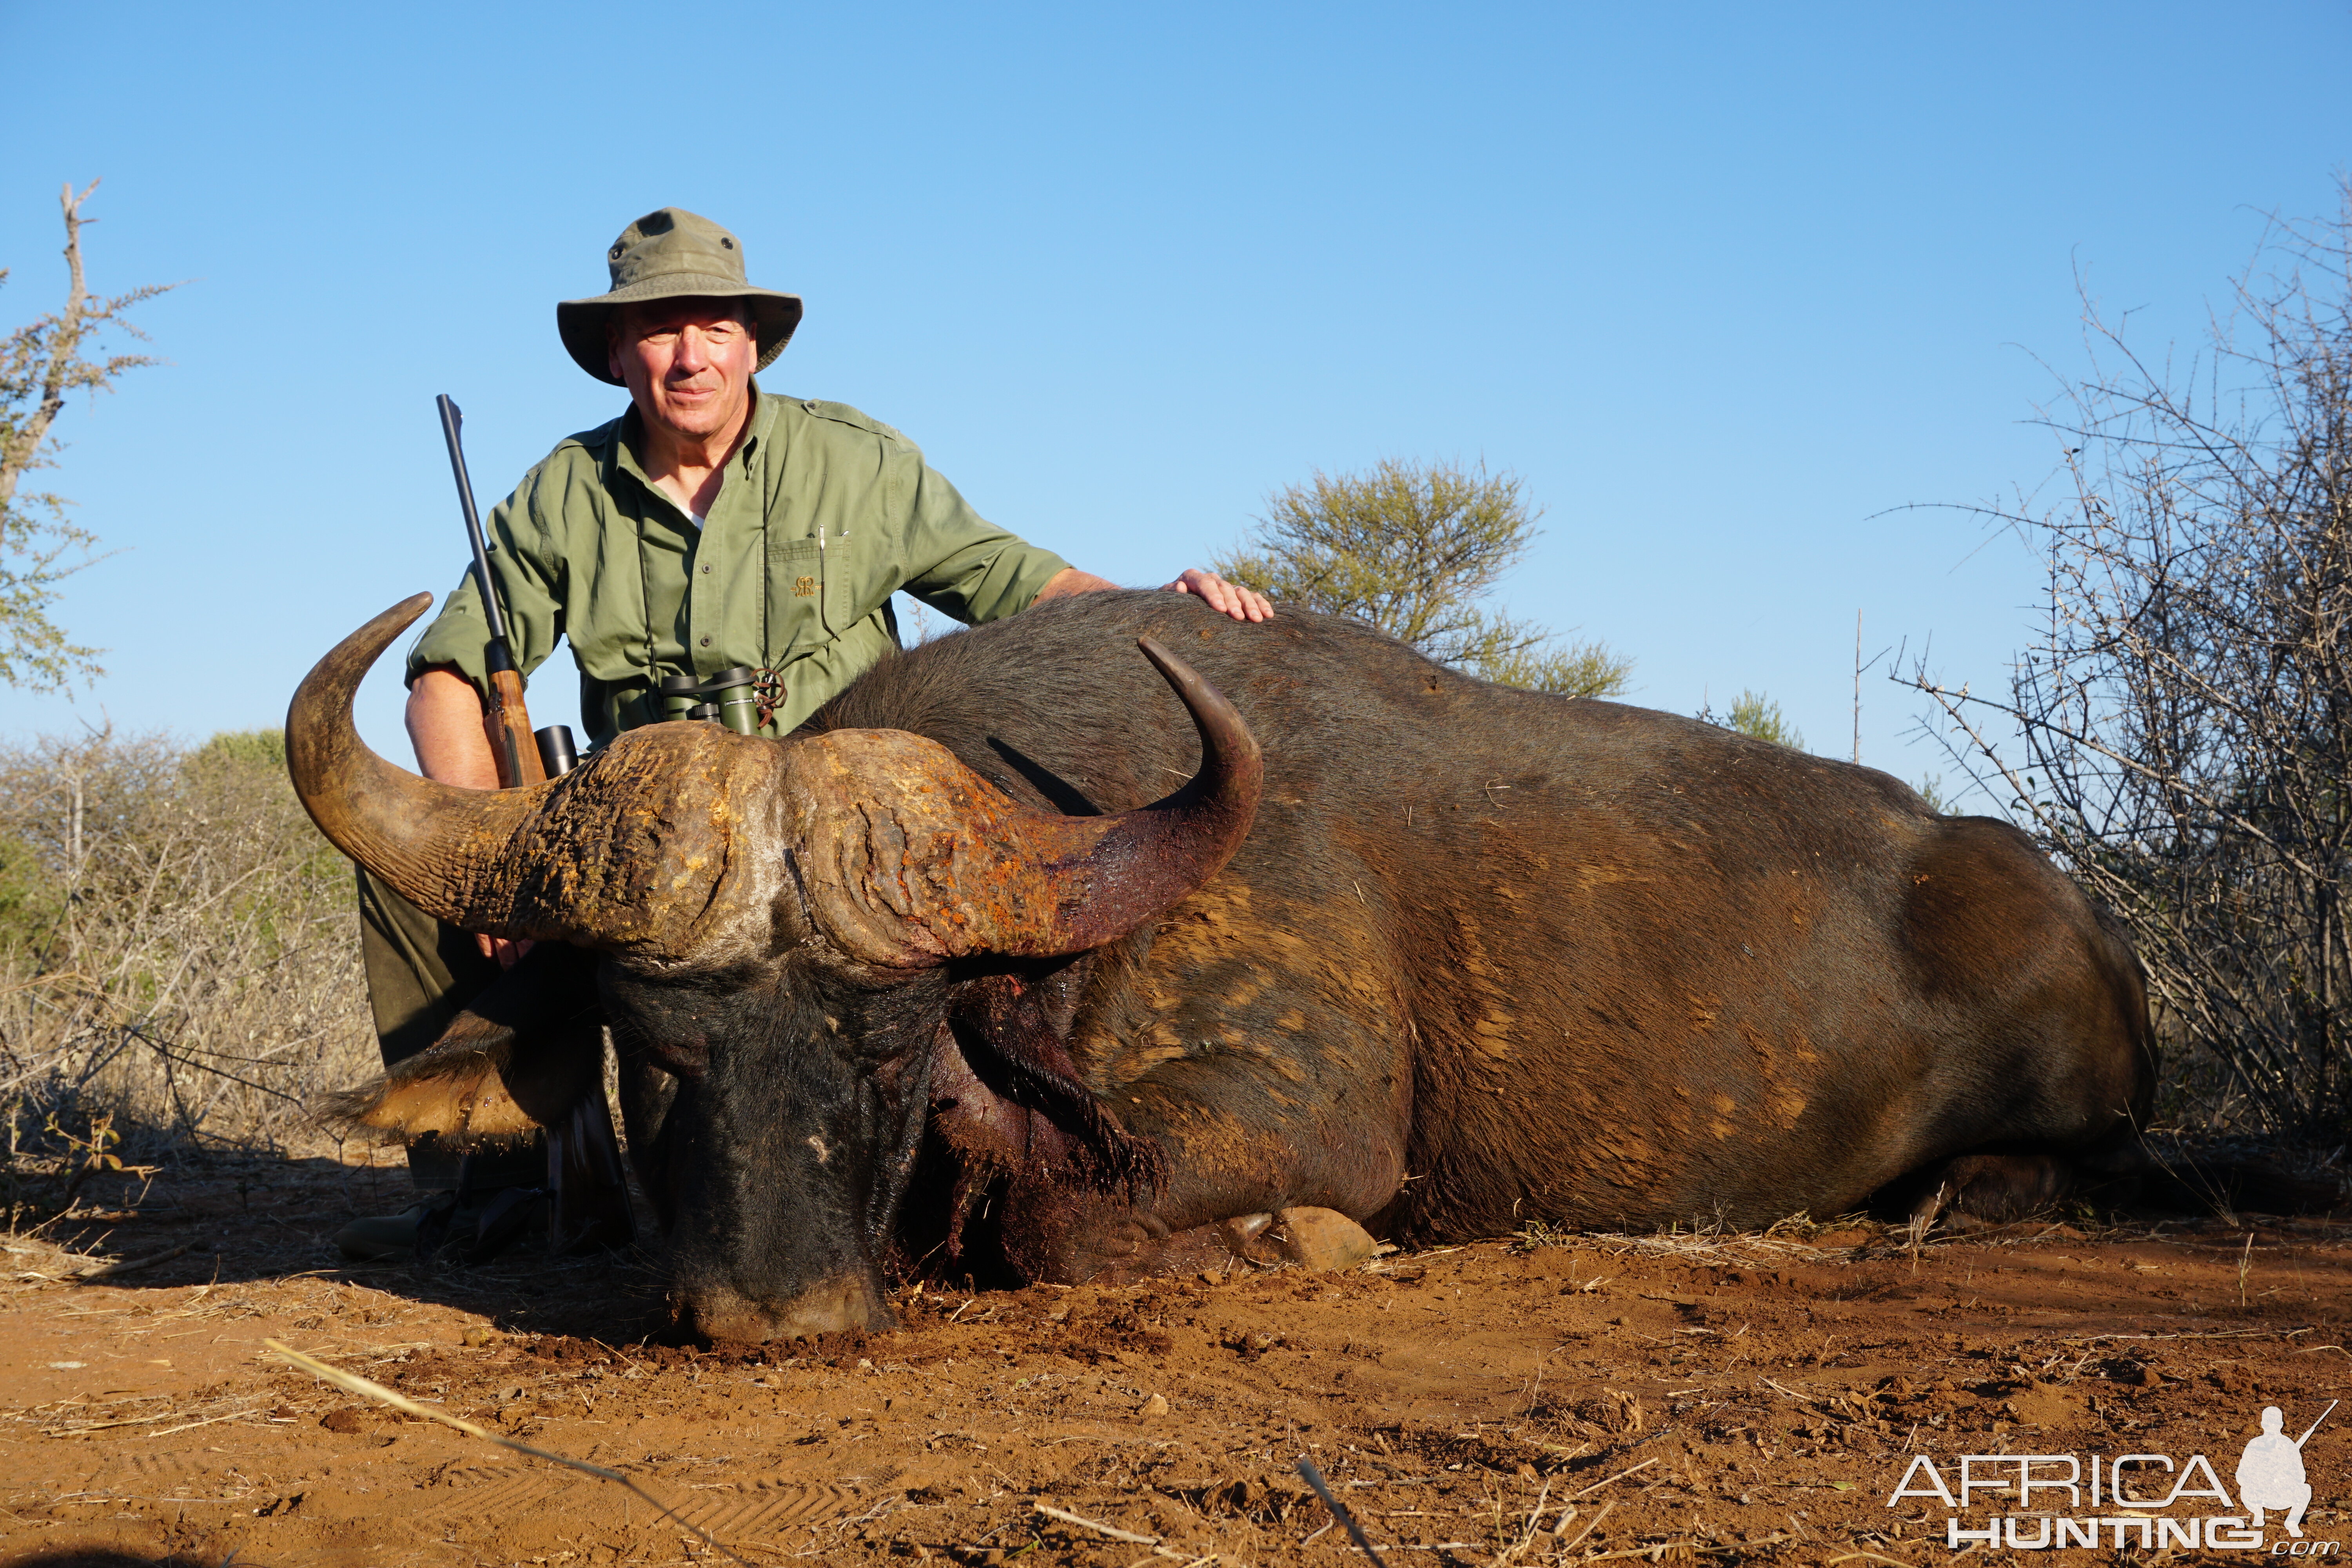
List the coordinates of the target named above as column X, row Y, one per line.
column 1717, row 1399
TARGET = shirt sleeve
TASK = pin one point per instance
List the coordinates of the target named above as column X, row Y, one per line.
column 528, row 572
column 957, row 561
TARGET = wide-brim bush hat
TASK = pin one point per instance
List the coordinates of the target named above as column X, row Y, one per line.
column 669, row 255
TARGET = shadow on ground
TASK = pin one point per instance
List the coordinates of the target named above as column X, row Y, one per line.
column 245, row 1219
column 232, row 1219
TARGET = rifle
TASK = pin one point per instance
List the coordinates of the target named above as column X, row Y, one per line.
column 587, row 1193
column 522, row 757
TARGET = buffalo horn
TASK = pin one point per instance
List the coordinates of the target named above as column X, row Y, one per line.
column 667, row 843
column 428, row 841
column 1109, row 875
column 639, row 849
column 917, row 859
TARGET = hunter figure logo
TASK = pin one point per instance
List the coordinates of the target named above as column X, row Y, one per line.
column 2269, row 1475
column 2157, row 1501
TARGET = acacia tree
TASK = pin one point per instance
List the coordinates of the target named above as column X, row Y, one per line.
column 1416, row 552
column 40, row 365
column 2180, row 732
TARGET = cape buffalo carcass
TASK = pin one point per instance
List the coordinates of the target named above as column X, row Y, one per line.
column 1445, row 958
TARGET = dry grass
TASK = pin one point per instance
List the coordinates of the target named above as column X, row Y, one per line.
column 179, row 961
column 1797, row 1236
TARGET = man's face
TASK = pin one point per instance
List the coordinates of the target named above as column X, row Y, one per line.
column 687, row 362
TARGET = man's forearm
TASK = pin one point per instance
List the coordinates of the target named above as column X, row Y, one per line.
column 1070, row 580
column 452, row 737
column 447, row 726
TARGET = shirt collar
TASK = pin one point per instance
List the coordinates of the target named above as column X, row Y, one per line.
column 631, row 432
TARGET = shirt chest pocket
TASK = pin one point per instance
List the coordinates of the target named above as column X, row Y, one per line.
column 815, row 582
column 795, row 594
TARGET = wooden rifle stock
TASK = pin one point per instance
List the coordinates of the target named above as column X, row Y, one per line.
column 508, row 723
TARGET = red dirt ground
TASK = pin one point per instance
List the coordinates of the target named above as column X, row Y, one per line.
column 1742, row 1399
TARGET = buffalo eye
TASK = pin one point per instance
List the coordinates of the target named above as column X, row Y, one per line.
column 683, row 1056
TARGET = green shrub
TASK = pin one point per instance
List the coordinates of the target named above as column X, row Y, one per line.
column 1760, row 717
column 1416, row 550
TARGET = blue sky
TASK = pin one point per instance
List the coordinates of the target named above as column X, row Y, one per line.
column 1726, row 284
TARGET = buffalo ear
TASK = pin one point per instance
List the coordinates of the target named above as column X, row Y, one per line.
column 521, row 1057
column 1000, row 1013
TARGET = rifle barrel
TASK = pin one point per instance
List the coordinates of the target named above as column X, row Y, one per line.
column 452, row 420
column 511, row 747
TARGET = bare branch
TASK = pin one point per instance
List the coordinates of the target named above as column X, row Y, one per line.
column 40, row 365
column 2180, row 733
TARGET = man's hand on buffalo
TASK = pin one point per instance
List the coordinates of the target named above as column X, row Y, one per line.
column 1225, row 598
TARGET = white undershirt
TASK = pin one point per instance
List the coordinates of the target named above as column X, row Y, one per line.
column 678, row 506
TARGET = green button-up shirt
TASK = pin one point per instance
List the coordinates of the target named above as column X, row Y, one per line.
column 822, row 515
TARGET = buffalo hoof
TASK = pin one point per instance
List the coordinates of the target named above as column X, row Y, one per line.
column 832, row 1308
column 1310, row 1238
column 1321, row 1239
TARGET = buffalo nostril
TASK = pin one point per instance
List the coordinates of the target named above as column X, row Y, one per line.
column 831, row 1307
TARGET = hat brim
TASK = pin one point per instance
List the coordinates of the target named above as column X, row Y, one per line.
column 581, row 322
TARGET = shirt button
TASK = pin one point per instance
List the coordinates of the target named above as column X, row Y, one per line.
column 706, row 569
column 706, row 642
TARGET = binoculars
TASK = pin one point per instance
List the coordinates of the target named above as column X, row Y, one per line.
column 727, row 698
